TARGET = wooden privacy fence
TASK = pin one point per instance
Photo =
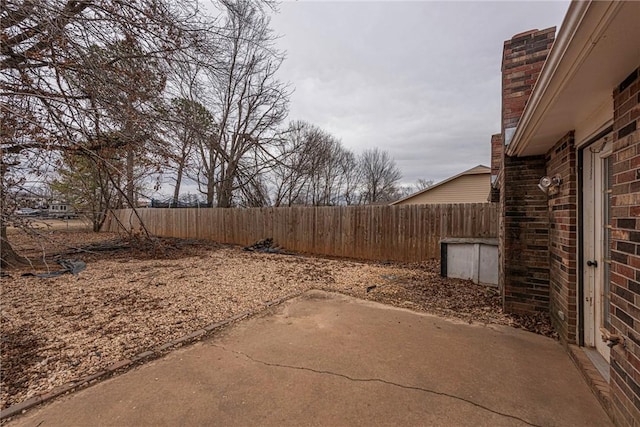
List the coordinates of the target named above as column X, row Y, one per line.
column 398, row 233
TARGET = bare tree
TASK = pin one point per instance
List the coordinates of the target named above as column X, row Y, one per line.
column 289, row 174
column 352, row 179
column 188, row 123
column 248, row 102
column 65, row 67
column 255, row 193
column 326, row 173
column 190, row 126
column 126, row 102
column 380, row 176
column 313, row 168
column 423, row 184
column 419, row 185
column 90, row 80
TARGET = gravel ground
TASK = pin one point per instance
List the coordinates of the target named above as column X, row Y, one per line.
column 130, row 300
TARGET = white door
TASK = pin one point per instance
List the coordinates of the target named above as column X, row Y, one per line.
column 596, row 193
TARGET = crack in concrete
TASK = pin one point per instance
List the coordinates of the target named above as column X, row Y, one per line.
column 379, row 380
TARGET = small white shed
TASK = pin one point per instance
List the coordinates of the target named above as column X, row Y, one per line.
column 473, row 259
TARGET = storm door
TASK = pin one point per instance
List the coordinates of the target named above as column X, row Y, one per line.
column 596, row 241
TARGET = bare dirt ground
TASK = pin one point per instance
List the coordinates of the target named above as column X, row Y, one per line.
column 128, row 300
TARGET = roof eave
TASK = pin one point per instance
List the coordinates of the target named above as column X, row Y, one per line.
column 572, row 45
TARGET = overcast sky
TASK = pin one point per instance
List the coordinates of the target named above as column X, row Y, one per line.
column 420, row 80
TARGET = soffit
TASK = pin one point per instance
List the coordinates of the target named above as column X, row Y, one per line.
column 602, row 52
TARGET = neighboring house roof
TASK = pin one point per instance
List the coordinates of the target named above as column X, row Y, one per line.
column 478, row 170
column 596, row 48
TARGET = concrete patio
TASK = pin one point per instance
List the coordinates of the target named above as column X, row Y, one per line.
column 328, row 359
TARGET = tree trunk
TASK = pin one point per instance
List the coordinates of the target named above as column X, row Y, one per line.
column 225, row 195
column 224, row 198
column 8, row 257
column 211, row 182
column 181, row 167
column 176, row 191
column 130, row 185
column 211, row 191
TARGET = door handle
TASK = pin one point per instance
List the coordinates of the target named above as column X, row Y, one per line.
column 593, row 263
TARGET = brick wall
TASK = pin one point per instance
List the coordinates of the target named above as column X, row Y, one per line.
column 496, row 163
column 522, row 59
column 496, row 153
column 561, row 161
column 625, row 254
column 524, row 236
column 524, row 222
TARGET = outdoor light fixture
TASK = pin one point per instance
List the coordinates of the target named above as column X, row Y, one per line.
column 547, row 183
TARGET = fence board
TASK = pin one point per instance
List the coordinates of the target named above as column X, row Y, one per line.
column 399, row 233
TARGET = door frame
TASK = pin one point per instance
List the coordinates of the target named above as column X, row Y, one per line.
column 588, row 312
column 580, row 294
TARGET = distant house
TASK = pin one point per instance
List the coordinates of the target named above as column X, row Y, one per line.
column 470, row 186
column 59, row 209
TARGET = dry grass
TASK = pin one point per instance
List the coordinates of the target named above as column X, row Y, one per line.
column 53, row 224
column 127, row 301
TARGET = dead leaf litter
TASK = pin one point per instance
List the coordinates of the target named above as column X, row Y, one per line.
column 61, row 329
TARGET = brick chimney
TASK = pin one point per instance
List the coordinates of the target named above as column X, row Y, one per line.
column 496, row 154
column 496, row 164
column 522, row 60
column 523, row 245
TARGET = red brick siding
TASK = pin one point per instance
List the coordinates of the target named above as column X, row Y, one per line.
column 496, row 153
column 524, row 222
column 522, row 60
column 496, row 163
column 561, row 161
column 524, row 236
column 625, row 266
